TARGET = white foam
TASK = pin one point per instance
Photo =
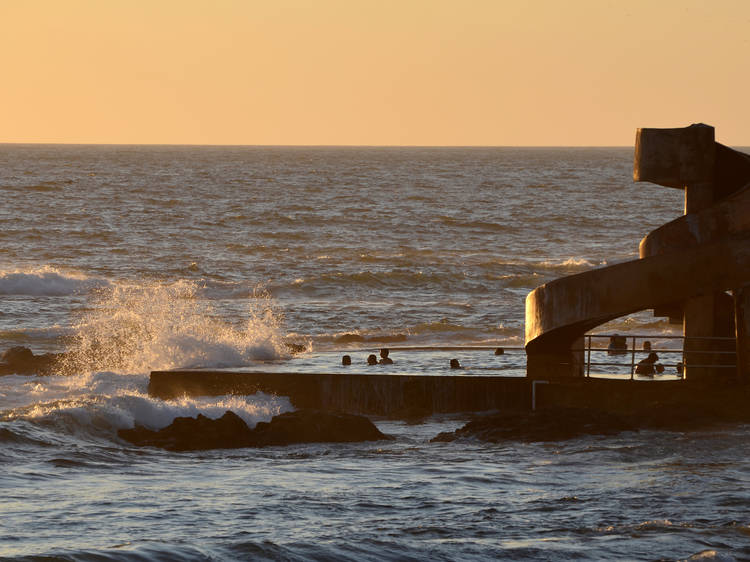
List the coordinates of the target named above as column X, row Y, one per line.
column 145, row 327
column 573, row 263
column 47, row 281
column 105, row 402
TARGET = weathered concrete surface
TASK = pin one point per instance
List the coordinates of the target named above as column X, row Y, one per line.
column 685, row 267
column 674, row 157
column 401, row 396
column 730, row 217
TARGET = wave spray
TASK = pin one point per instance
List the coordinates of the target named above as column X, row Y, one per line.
column 137, row 328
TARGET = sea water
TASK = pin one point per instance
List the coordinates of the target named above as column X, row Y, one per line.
column 133, row 258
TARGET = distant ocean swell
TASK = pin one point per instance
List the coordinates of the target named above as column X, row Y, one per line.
column 138, row 327
column 47, row 281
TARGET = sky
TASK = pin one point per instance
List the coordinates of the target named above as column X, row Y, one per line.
column 371, row 72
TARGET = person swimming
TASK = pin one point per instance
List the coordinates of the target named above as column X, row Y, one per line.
column 384, row 359
column 618, row 345
column 346, row 360
column 372, row 359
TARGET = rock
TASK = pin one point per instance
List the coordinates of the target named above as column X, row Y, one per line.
column 316, row 426
column 230, row 431
column 20, row 360
column 193, row 434
column 543, row 425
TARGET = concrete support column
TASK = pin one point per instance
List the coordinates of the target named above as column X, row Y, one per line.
column 742, row 331
column 698, row 322
column 554, row 364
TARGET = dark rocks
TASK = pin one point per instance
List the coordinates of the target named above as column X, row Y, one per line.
column 315, row 426
column 193, row 434
column 230, row 431
column 19, row 360
column 687, row 409
column 544, row 425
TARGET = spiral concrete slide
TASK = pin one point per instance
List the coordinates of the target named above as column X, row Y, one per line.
column 694, row 270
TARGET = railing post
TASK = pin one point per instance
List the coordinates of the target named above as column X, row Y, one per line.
column 588, row 360
column 632, row 359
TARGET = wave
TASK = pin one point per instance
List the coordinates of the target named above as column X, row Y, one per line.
column 95, row 406
column 475, row 225
column 576, row 264
column 380, row 279
column 143, row 327
column 101, row 415
column 47, row 282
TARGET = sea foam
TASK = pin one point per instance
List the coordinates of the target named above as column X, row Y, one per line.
column 47, row 281
column 138, row 328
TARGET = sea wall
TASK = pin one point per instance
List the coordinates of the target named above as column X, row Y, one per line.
column 382, row 395
column 407, row 396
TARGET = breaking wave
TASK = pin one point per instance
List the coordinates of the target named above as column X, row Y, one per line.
column 140, row 328
column 47, row 281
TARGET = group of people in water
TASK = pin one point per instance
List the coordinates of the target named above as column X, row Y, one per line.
column 372, row 359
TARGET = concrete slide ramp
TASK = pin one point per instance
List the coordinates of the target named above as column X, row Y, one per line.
column 686, row 266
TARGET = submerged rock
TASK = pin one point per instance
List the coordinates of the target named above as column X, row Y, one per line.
column 230, row 431
column 315, row 426
column 20, row 360
column 543, row 425
column 693, row 408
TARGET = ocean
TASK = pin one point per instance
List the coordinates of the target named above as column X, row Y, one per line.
column 138, row 258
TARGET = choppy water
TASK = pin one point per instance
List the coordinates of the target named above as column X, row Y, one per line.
column 140, row 258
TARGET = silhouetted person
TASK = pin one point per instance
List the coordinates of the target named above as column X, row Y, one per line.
column 646, row 366
column 372, row 360
column 346, row 360
column 647, row 346
column 617, row 345
column 455, row 364
column 384, row 359
column 499, row 351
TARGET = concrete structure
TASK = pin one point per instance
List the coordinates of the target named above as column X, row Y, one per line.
column 685, row 272
column 400, row 396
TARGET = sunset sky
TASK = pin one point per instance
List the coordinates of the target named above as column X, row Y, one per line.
column 371, row 72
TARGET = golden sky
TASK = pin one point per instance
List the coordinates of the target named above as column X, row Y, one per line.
column 371, row 72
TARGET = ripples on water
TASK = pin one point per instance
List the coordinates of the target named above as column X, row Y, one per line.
column 136, row 258
column 636, row 496
column 406, row 232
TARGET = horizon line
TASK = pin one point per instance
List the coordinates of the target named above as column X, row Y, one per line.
column 218, row 145
column 13, row 143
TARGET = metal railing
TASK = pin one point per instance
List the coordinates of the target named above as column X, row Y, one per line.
column 684, row 351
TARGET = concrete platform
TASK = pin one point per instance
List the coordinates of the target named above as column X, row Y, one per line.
column 405, row 396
